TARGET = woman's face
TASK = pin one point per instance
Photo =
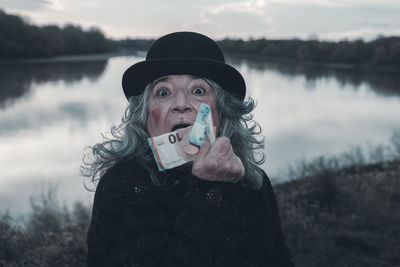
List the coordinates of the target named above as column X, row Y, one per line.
column 174, row 102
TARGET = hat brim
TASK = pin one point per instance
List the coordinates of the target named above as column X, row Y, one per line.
column 137, row 76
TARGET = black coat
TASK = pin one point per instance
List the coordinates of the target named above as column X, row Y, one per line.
column 187, row 222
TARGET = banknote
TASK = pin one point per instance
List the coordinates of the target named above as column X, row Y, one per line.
column 203, row 127
column 174, row 149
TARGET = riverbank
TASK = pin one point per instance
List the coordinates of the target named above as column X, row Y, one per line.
column 347, row 217
column 74, row 58
column 309, row 63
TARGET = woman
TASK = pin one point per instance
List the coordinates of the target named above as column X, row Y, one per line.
column 220, row 209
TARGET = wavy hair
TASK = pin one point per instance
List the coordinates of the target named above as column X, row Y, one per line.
column 129, row 138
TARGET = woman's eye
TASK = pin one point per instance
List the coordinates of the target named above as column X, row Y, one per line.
column 199, row 91
column 162, row 92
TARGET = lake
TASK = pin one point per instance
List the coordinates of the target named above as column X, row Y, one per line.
column 51, row 110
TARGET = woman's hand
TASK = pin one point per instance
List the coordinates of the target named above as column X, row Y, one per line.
column 218, row 162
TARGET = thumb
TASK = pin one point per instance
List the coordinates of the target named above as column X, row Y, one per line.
column 205, row 147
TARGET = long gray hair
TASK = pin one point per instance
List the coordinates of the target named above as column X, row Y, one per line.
column 130, row 138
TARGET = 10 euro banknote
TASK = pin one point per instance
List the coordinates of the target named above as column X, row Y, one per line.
column 176, row 148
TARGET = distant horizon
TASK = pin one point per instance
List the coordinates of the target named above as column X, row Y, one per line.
column 248, row 38
column 327, row 20
column 27, row 19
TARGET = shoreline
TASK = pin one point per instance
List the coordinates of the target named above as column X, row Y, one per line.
column 72, row 58
column 241, row 56
column 327, row 64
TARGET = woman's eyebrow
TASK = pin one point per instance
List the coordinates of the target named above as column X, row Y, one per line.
column 194, row 78
column 162, row 79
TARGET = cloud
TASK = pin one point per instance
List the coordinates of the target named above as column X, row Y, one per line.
column 240, row 19
column 55, row 5
column 233, row 18
column 250, row 6
column 338, row 3
column 31, row 5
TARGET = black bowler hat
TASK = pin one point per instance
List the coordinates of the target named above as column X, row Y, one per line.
column 183, row 53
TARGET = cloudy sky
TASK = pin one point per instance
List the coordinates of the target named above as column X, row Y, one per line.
column 324, row 19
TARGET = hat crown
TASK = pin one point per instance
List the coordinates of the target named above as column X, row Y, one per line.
column 183, row 53
column 185, row 45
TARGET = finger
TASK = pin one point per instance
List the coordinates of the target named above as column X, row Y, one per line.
column 241, row 170
column 221, row 147
column 198, row 163
column 205, row 147
column 237, row 168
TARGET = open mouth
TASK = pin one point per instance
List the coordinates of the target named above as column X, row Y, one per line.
column 180, row 126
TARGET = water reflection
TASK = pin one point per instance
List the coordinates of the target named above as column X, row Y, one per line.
column 383, row 83
column 17, row 78
column 59, row 108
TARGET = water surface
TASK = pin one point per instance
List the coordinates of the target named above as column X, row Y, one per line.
column 50, row 111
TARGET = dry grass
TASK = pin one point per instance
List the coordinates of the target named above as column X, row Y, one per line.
column 348, row 217
column 50, row 236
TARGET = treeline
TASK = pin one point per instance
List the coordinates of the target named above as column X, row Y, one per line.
column 382, row 51
column 133, row 44
column 19, row 39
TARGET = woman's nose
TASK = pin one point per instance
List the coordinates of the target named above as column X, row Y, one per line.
column 182, row 103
